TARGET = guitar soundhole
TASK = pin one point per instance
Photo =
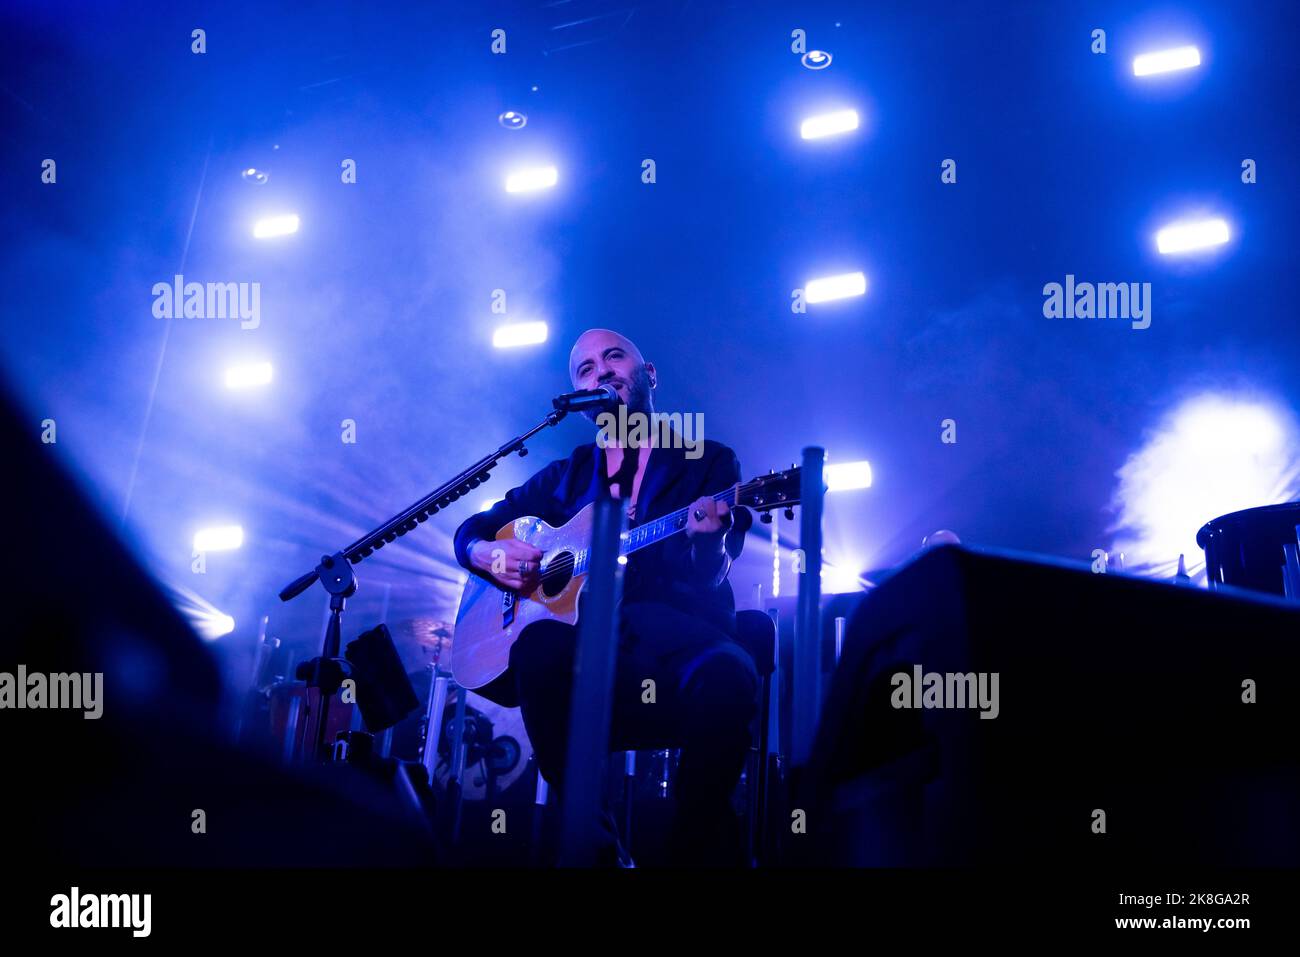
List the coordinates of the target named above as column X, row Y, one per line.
column 557, row 574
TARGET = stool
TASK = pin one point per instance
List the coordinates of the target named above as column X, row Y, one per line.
column 756, row 633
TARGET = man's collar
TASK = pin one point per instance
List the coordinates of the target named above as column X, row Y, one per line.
column 667, row 464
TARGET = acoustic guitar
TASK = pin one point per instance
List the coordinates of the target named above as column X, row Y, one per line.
column 491, row 618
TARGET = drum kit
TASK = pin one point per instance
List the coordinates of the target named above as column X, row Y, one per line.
column 496, row 746
column 472, row 752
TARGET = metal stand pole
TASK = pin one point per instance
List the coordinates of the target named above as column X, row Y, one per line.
column 589, row 715
column 629, row 792
column 808, row 632
column 433, row 723
column 325, row 673
column 456, row 781
column 539, row 817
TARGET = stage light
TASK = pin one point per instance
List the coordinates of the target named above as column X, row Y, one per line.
column 248, row 376
column 209, row 623
column 488, row 503
column 840, row 579
column 222, row 538
column 513, row 120
column 844, row 476
column 828, row 124
column 204, row 617
column 1166, row 61
column 215, row 627
column 519, row 334
column 829, row 288
column 273, row 226
column 528, row 180
column 776, row 560
column 1215, row 453
column 816, row 59
column 1189, row 236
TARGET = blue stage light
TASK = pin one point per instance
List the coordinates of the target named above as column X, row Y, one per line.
column 531, row 180
column 1166, row 61
column 829, row 288
column 248, row 376
column 843, row 476
column 1190, row 236
column 829, row 124
column 519, row 334
column 1213, row 454
column 222, row 538
column 272, row 226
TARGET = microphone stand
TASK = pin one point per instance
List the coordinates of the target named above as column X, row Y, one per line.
column 335, row 571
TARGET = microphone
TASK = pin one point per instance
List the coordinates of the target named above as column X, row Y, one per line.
column 603, row 399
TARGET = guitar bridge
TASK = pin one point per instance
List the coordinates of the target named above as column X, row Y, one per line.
column 508, row 599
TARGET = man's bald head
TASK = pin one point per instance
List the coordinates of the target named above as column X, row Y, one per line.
column 601, row 356
column 600, row 338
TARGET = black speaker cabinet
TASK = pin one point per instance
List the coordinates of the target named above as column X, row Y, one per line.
column 1134, row 722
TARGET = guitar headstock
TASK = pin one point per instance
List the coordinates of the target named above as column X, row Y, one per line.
column 771, row 491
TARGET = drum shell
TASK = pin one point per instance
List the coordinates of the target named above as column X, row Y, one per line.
column 1244, row 549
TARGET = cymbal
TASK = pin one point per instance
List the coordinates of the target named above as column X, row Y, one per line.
column 422, row 642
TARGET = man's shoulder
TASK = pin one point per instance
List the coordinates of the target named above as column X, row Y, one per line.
column 580, row 457
column 708, row 461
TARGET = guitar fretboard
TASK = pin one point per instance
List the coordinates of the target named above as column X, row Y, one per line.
column 643, row 536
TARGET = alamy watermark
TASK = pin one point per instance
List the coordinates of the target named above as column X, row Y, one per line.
column 209, row 300
column 76, row 909
column 79, row 692
column 656, row 430
column 1103, row 300
column 934, row 689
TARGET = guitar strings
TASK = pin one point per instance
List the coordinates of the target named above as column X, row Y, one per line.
column 564, row 563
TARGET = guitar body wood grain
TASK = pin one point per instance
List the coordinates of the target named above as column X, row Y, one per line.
column 486, row 625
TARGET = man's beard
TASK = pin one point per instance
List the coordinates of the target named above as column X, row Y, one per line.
column 638, row 398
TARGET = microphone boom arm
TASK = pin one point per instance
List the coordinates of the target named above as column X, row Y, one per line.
column 434, row 502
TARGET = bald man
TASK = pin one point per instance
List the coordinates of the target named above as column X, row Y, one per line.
column 677, row 620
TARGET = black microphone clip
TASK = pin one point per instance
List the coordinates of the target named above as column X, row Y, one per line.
column 602, row 399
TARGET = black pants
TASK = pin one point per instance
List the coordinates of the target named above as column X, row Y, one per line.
column 702, row 700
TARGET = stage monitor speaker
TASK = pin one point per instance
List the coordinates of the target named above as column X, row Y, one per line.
column 1130, row 722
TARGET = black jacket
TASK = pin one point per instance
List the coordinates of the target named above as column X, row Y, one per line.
column 660, row 572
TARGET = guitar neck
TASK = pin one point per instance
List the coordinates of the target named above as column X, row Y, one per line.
column 653, row 532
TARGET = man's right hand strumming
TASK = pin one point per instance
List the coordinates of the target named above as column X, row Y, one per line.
column 512, row 564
